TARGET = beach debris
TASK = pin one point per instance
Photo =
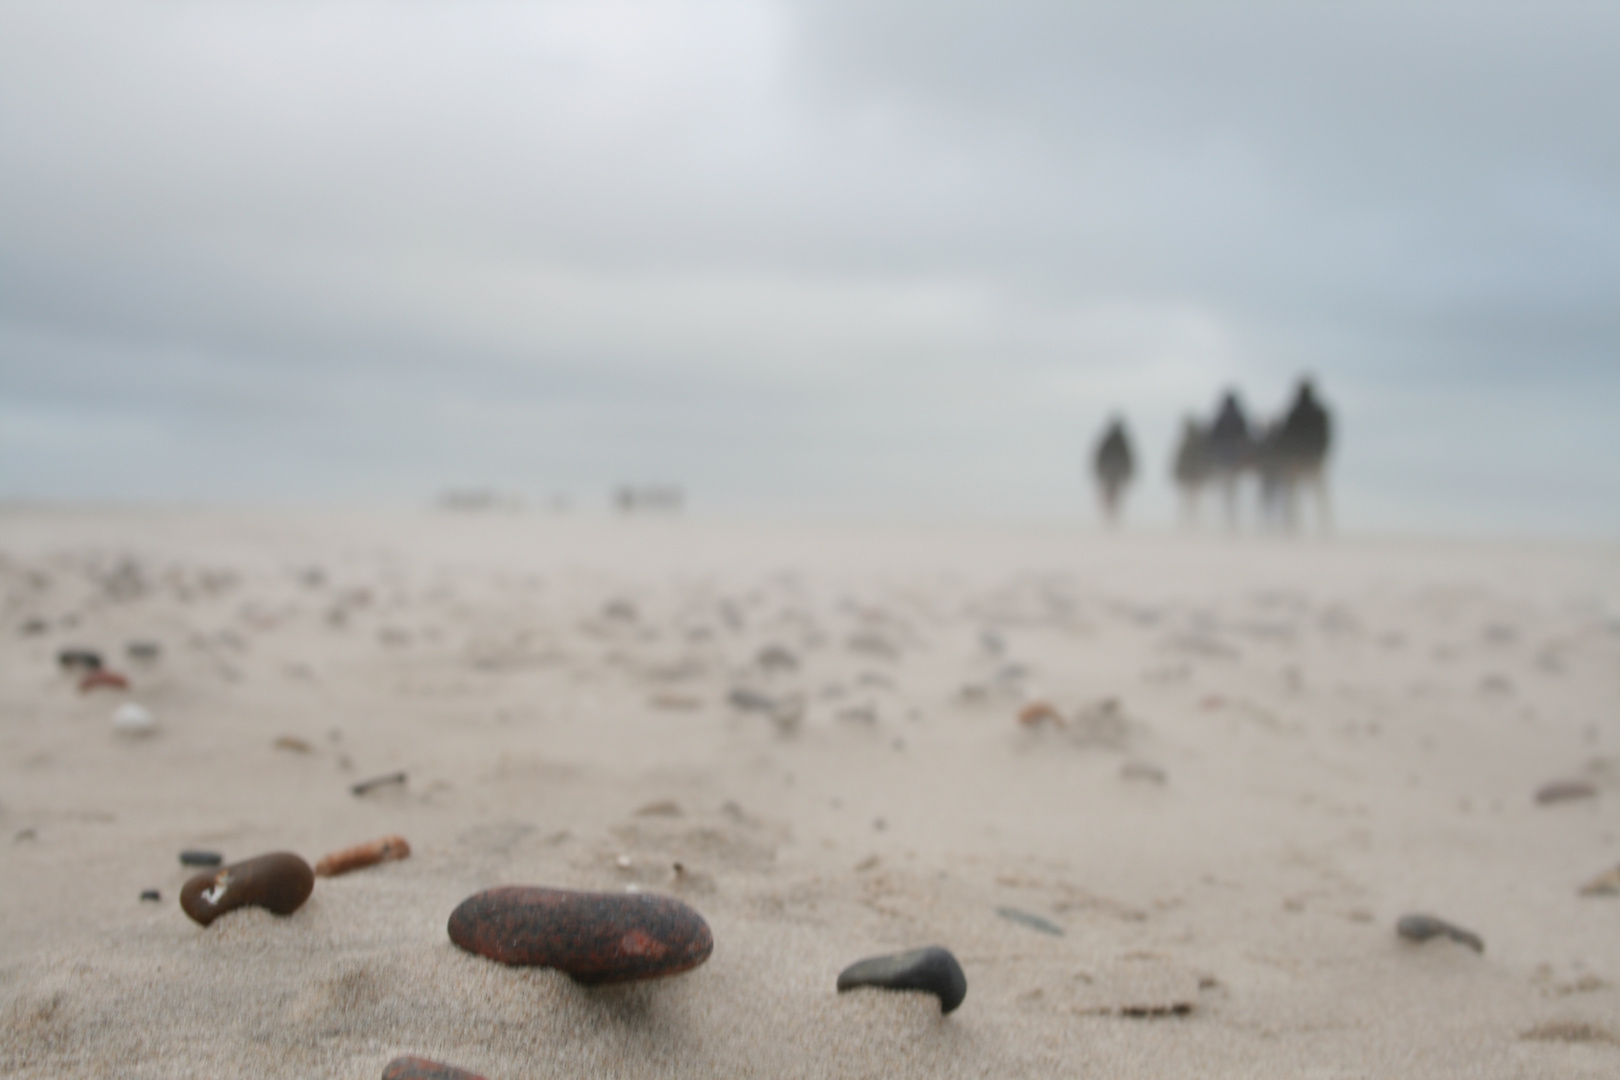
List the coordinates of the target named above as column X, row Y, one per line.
column 102, row 679
column 199, row 857
column 1570, row 1031
column 294, row 744
column 132, row 719
column 33, row 627
column 1421, row 928
column 1031, row 920
column 1565, row 791
column 81, row 660
column 933, row 970
column 145, row 652
column 1605, row 884
column 776, row 658
column 387, row 849
column 153, row 895
column 870, row 643
column 593, row 937
column 279, row 882
column 1142, row 771
column 741, row 697
column 420, row 1068
column 376, row 782
column 660, row 808
column 1142, row 985
column 1037, row 713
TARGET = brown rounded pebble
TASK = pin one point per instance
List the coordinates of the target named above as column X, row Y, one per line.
column 419, row 1068
column 1564, row 791
column 593, row 937
column 279, row 882
column 102, row 679
column 387, row 849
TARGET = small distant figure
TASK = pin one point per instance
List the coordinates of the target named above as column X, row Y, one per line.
column 1229, row 449
column 1302, row 443
column 1114, row 466
column 1191, row 467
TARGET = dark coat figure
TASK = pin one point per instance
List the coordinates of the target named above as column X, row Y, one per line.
column 1114, row 466
column 1191, row 468
column 1229, row 450
column 1303, row 440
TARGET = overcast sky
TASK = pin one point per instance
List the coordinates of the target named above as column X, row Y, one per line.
column 854, row 259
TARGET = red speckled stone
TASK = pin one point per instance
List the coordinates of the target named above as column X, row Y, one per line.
column 279, row 882
column 416, row 1068
column 594, row 937
column 102, row 679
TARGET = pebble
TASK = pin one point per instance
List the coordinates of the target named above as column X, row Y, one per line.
column 279, row 882
column 1605, row 884
column 198, row 857
column 419, row 1068
column 132, row 719
column 932, row 969
column 1564, row 791
column 144, row 651
column 102, row 679
column 1423, row 927
column 1037, row 713
column 593, row 937
column 1031, row 920
column 152, row 895
column 79, row 660
column 376, row 782
column 1143, row 771
column 371, row 853
column 777, row 658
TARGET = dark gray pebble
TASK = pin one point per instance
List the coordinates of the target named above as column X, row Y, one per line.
column 144, row 651
column 152, row 894
column 79, row 660
column 1423, row 927
column 1031, row 920
column 377, row 782
column 933, row 970
column 1565, row 791
column 194, row 857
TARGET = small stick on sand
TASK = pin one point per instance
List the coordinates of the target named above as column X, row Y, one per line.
column 378, row 781
column 387, row 849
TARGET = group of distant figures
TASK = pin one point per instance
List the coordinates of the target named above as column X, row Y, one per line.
column 1288, row 457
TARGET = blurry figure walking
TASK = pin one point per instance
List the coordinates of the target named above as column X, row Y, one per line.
column 1114, row 467
column 1191, row 467
column 1229, row 450
column 1302, row 443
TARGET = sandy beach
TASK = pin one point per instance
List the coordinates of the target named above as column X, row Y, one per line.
column 1240, row 762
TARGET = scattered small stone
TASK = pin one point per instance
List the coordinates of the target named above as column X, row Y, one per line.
column 279, row 882
column 20, row 835
column 1605, row 884
column 420, row 1068
column 747, row 700
column 777, row 658
column 132, row 719
column 146, row 652
column 933, row 970
column 294, row 744
column 388, row 849
column 34, row 627
column 1143, row 771
column 152, row 895
column 1421, row 928
column 660, row 808
column 1037, row 713
column 102, row 679
column 684, row 702
column 1565, row 791
column 198, row 857
column 81, row 660
column 1031, row 920
column 376, row 782
column 868, row 863
column 593, row 937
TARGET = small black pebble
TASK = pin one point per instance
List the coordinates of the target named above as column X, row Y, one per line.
column 79, row 660
column 932, row 969
column 1423, row 927
column 201, row 858
column 152, row 894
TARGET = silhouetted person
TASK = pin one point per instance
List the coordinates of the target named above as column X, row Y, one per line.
column 1114, row 467
column 1229, row 450
column 1191, row 467
column 1276, row 482
column 1303, row 442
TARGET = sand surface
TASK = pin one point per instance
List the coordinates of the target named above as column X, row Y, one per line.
column 1269, row 752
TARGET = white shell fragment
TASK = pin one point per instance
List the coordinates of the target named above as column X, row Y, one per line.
column 132, row 719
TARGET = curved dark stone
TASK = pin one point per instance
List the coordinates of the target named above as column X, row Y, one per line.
column 279, row 882
column 932, row 969
column 1423, row 927
column 594, row 937
column 419, row 1068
